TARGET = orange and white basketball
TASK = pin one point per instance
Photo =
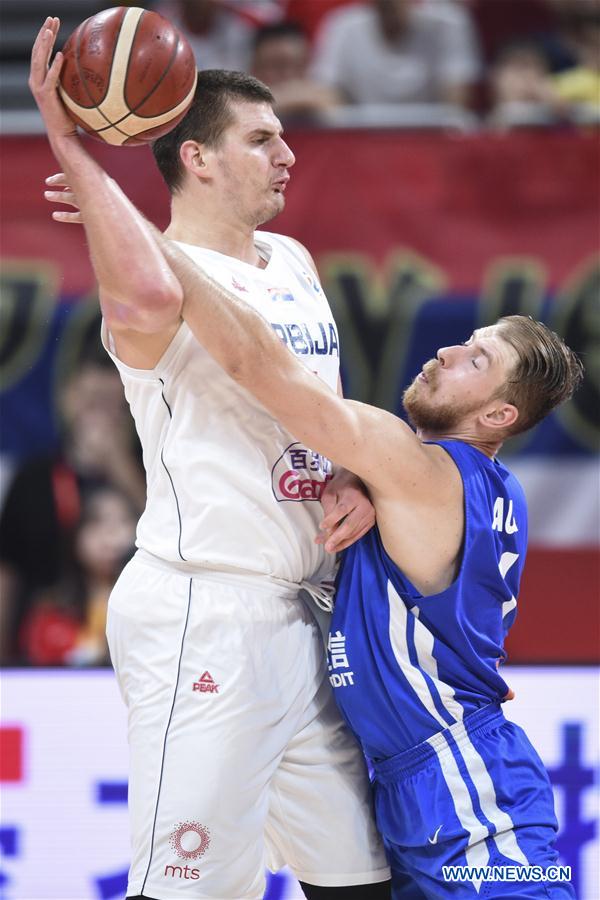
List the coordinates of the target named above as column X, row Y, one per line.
column 128, row 76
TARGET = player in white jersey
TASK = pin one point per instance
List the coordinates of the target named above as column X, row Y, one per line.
column 238, row 755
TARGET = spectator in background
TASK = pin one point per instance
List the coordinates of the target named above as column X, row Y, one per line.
column 521, row 87
column 399, row 51
column 502, row 23
column 280, row 60
column 44, row 501
column 219, row 35
column 525, row 89
column 65, row 625
column 579, row 85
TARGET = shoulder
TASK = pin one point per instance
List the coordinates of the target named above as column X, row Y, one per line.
column 513, row 485
column 464, row 455
column 194, row 251
column 480, row 475
column 294, row 247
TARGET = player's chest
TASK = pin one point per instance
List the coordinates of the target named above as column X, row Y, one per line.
column 294, row 304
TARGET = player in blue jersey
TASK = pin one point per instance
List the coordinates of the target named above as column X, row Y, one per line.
column 425, row 599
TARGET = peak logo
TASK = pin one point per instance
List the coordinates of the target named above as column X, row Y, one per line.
column 300, row 475
column 206, row 684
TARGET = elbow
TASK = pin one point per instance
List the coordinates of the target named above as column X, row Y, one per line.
column 157, row 308
column 147, row 311
column 157, row 291
column 143, row 287
column 168, row 296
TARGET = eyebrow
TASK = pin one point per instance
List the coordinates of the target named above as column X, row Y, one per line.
column 265, row 132
column 489, row 356
column 481, row 349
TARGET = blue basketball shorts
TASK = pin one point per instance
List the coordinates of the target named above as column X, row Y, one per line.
column 469, row 813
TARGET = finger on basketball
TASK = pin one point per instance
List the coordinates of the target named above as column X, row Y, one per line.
column 54, row 71
column 39, row 57
column 49, row 38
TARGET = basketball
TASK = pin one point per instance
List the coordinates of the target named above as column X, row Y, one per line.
column 128, row 76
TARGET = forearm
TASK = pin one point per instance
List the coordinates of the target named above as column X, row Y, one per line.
column 232, row 331
column 124, row 254
column 125, row 257
column 247, row 348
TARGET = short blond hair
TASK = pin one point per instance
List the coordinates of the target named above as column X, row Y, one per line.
column 546, row 373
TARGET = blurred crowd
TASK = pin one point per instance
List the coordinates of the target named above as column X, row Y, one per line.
column 67, row 526
column 510, row 62
column 67, row 520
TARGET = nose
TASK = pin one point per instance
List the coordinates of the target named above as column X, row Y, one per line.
column 445, row 354
column 285, row 157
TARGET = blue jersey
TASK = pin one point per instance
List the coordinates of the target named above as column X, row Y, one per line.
column 405, row 666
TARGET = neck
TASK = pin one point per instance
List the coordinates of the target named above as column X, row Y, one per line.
column 199, row 224
column 486, row 446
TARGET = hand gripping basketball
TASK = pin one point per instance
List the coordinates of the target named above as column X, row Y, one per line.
column 128, row 76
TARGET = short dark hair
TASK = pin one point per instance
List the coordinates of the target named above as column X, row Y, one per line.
column 207, row 118
column 546, row 374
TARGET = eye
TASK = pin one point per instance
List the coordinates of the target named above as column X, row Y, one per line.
column 474, row 361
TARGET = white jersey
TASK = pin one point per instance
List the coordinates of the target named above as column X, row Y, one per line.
column 227, row 486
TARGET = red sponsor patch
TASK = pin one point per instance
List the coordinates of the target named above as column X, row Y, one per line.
column 300, row 474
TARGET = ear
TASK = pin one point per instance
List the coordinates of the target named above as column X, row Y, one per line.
column 194, row 157
column 501, row 415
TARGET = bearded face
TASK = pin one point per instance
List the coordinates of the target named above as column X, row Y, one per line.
column 427, row 410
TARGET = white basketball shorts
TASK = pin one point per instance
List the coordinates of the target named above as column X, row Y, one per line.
column 238, row 756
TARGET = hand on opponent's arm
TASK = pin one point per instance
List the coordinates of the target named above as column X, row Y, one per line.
column 349, row 513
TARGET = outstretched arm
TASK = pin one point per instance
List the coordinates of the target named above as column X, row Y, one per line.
column 376, row 445
column 379, row 447
column 138, row 289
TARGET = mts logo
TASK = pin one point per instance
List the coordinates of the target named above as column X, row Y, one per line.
column 206, row 684
column 182, row 872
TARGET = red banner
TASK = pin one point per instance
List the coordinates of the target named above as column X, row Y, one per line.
column 459, row 202
column 419, row 237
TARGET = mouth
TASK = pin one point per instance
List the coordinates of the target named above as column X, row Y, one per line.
column 428, row 374
column 280, row 185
